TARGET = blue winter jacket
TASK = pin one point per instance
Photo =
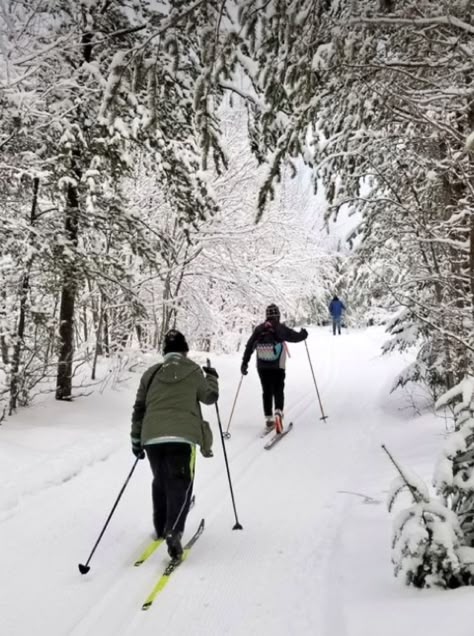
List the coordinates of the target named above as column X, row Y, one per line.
column 336, row 307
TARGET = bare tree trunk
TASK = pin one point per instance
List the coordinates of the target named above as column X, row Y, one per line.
column 100, row 325
column 471, row 264
column 98, row 342
column 70, row 282
column 106, row 341
column 94, row 308
column 84, row 324
column 20, row 334
column 156, row 326
column 139, row 332
column 471, row 231
column 3, row 342
column 68, row 301
column 4, row 349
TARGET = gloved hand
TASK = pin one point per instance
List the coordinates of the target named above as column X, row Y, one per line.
column 304, row 333
column 244, row 369
column 137, row 450
column 210, row 371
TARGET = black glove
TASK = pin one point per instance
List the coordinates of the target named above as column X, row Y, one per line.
column 304, row 333
column 244, row 369
column 210, row 371
column 137, row 450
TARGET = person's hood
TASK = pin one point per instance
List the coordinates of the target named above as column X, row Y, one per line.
column 176, row 368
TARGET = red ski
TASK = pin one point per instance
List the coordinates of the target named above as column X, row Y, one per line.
column 278, row 437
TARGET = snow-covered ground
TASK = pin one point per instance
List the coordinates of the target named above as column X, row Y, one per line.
column 314, row 555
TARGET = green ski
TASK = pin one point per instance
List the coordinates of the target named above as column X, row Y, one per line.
column 154, row 544
column 171, row 567
column 148, row 551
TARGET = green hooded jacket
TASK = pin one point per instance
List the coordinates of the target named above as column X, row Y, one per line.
column 169, row 406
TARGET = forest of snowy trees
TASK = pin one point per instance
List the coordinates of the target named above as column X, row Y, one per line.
column 129, row 204
column 155, row 161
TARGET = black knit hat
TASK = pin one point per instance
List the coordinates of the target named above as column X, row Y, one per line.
column 175, row 342
column 272, row 311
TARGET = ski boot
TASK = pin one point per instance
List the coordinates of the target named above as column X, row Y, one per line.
column 278, row 421
column 269, row 423
column 173, row 541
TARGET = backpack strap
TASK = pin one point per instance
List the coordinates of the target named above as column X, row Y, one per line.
column 151, row 380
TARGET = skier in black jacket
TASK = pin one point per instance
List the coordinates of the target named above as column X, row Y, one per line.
column 268, row 339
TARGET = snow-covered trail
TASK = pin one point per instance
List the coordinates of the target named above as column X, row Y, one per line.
column 280, row 575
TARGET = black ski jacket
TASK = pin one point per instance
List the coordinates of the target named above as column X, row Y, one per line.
column 282, row 334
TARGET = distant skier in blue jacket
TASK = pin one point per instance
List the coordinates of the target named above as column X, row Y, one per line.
column 336, row 307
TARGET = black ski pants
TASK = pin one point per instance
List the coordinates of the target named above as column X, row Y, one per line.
column 273, row 389
column 172, row 465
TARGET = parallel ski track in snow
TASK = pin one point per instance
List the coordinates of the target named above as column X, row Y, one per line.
column 246, row 460
column 130, row 588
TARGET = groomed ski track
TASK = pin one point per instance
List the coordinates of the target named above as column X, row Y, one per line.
column 282, row 574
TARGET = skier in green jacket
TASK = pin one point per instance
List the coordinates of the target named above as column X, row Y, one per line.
column 167, row 423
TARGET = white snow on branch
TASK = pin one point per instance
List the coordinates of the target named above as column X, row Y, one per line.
column 470, row 141
column 465, row 390
column 446, row 20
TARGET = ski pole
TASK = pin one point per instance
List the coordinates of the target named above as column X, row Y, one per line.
column 84, row 569
column 323, row 417
column 237, row 525
column 227, row 434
